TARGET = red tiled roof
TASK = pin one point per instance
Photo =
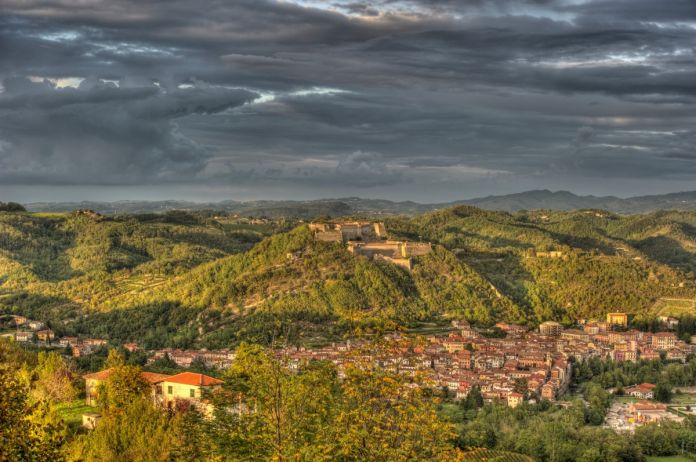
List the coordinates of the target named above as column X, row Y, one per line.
column 647, row 406
column 153, row 377
column 191, row 378
column 101, row 375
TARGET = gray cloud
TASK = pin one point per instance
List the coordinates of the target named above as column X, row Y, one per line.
column 100, row 133
column 430, row 98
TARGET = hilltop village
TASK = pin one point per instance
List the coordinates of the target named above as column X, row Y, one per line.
column 370, row 240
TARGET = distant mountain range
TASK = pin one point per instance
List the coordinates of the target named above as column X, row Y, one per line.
column 529, row 200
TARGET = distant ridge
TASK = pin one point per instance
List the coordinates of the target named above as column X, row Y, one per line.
column 564, row 200
column 528, row 200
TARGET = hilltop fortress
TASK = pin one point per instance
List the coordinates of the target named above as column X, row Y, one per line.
column 370, row 240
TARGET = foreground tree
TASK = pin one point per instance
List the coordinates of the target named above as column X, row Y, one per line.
column 124, row 385
column 14, row 428
column 55, row 378
column 137, row 432
column 27, row 433
column 380, row 418
column 269, row 413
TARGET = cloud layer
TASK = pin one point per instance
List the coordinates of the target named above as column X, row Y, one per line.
column 417, row 99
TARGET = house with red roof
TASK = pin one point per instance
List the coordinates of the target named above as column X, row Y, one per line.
column 95, row 380
column 642, row 391
column 188, row 387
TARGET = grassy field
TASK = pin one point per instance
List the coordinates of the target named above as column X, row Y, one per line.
column 72, row 412
column 669, row 459
column 684, row 398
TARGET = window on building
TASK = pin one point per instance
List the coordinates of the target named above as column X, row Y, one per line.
column 170, row 389
column 193, row 392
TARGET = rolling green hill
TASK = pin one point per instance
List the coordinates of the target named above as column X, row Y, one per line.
column 192, row 278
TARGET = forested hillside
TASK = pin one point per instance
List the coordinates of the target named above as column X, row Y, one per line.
column 186, row 279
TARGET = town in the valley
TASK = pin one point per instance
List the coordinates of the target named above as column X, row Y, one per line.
column 514, row 365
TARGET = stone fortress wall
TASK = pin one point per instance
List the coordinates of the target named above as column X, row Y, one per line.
column 370, row 240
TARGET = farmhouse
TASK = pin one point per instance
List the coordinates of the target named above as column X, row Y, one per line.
column 94, row 381
column 642, row 391
column 170, row 391
column 23, row 336
column 187, row 387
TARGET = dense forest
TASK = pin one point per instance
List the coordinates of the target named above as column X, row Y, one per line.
column 213, row 279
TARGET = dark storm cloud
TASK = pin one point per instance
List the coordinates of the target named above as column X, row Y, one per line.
column 452, row 97
column 101, row 133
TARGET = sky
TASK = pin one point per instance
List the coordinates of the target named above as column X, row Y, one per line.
column 425, row 100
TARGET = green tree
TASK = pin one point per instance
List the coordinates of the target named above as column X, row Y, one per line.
column 114, row 358
column 55, row 378
column 27, row 433
column 269, row 413
column 14, row 428
column 124, row 385
column 521, row 386
column 11, row 207
column 136, row 432
column 381, row 419
column 48, row 434
column 663, row 392
column 474, row 399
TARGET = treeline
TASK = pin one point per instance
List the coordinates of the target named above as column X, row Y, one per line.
column 551, row 434
column 11, row 207
column 610, row 374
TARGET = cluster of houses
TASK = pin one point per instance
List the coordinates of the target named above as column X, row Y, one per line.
column 512, row 369
column 525, row 364
column 218, row 359
column 30, row 330
column 81, row 347
column 36, row 331
column 622, row 345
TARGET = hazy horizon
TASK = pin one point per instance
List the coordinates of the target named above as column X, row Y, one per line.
column 327, row 198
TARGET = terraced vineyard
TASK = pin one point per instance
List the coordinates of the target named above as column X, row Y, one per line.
column 674, row 307
column 487, row 455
